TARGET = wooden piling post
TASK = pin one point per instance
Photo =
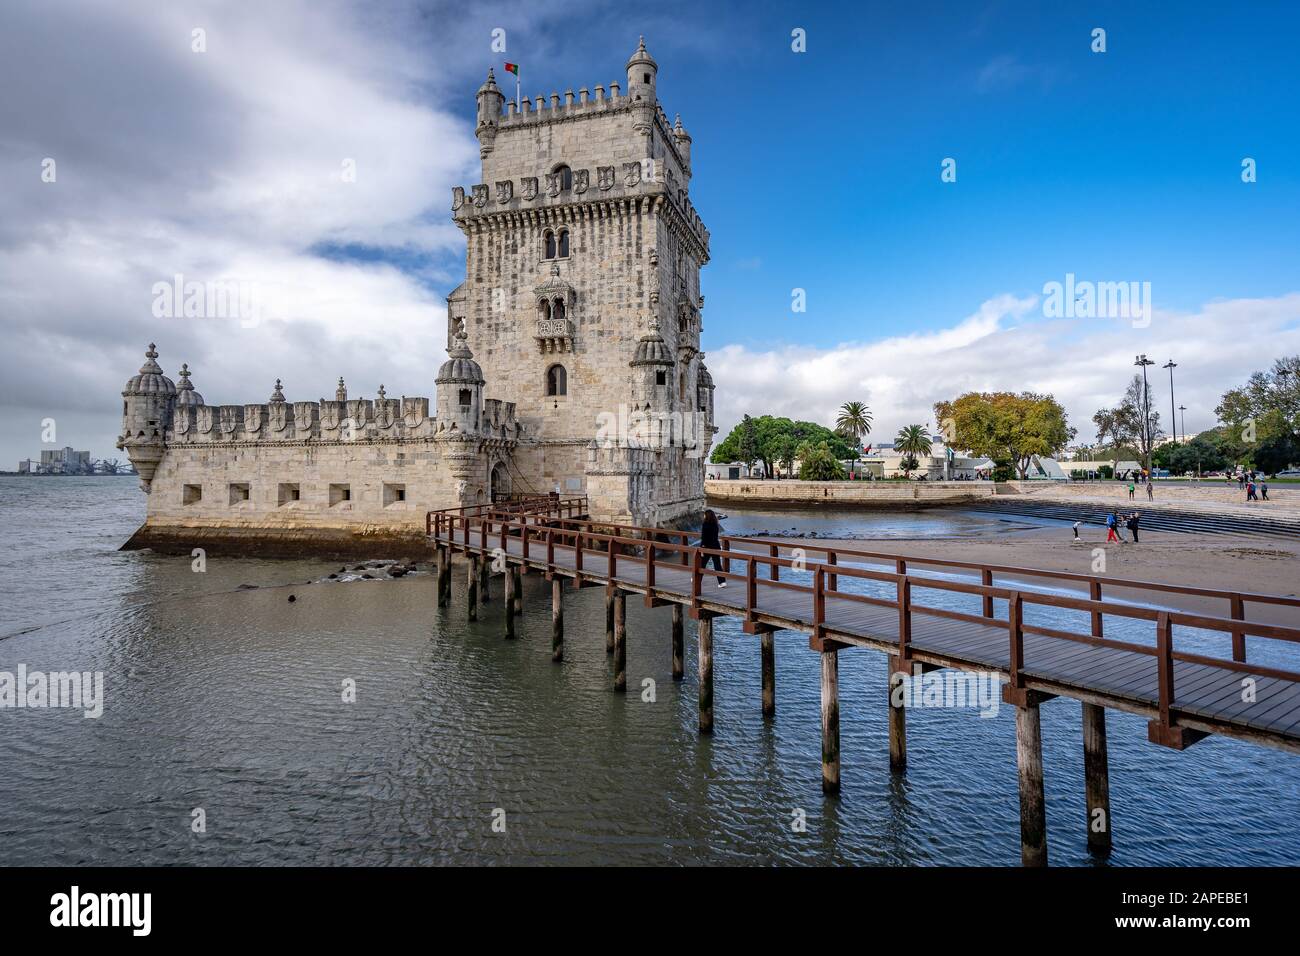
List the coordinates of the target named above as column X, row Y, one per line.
column 519, row 589
column 485, row 578
column 609, row 621
column 679, row 652
column 769, row 674
column 471, row 590
column 442, row 571
column 1033, row 807
column 557, row 619
column 1096, row 776
column 830, row 718
column 510, row 602
column 620, row 641
column 897, row 717
column 705, row 634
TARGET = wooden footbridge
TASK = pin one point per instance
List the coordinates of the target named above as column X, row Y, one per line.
column 1184, row 695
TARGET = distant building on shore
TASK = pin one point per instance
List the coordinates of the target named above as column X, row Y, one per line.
column 61, row 461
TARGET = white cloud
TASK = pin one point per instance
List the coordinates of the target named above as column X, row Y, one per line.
column 218, row 165
column 1006, row 345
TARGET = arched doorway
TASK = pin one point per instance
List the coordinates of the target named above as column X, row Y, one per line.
column 499, row 482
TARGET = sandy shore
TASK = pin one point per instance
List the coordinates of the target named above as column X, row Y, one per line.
column 1269, row 566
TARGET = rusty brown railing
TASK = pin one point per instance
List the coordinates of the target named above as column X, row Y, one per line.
column 599, row 548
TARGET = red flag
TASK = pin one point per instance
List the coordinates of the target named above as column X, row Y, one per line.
column 512, row 68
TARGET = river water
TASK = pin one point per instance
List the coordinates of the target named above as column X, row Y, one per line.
column 230, row 702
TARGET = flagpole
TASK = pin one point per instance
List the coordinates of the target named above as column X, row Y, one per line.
column 519, row 106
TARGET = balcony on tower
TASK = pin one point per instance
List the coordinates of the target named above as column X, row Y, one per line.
column 555, row 300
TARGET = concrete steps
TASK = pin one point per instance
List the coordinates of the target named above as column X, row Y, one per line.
column 1153, row 519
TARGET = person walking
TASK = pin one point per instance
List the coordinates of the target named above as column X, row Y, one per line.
column 1250, row 491
column 1263, row 489
column 1151, row 491
column 1111, row 535
column 1133, row 524
column 1076, row 531
column 709, row 538
column 1131, row 489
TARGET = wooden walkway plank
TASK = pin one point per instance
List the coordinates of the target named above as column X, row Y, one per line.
column 1127, row 677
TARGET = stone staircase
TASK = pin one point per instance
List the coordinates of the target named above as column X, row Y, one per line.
column 1154, row 517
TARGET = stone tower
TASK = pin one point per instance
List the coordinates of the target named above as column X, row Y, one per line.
column 582, row 292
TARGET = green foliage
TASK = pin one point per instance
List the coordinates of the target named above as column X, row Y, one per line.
column 1006, row 427
column 770, row 436
column 1276, row 453
column 912, row 441
column 1267, row 406
column 818, row 463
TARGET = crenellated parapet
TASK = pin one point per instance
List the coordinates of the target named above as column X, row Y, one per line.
column 614, row 193
column 158, row 415
column 647, row 173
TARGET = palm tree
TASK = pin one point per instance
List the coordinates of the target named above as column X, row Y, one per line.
column 853, row 422
column 911, row 441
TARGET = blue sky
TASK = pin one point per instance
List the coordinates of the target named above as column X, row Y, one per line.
column 817, row 171
column 821, row 170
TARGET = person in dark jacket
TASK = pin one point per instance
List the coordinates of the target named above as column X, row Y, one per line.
column 1133, row 524
column 709, row 538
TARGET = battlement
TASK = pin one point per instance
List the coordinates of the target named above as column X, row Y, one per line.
column 546, row 195
column 353, row 420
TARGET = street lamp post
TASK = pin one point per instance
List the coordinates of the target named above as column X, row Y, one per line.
column 1173, row 421
column 1143, row 361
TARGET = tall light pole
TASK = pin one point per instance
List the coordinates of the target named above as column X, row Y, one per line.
column 1173, row 421
column 1183, row 409
column 1143, row 361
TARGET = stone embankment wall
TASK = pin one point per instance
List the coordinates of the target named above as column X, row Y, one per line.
column 868, row 494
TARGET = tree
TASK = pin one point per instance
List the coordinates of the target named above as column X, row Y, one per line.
column 911, row 441
column 854, row 421
column 747, row 444
column 768, row 436
column 1131, row 408
column 1267, row 407
column 1110, row 429
column 785, row 453
column 1277, row 453
column 818, row 463
column 1006, row 427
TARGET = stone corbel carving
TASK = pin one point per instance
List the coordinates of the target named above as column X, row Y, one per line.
column 480, row 195
column 505, row 190
column 605, row 177
column 631, row 174
column 654, row 258
column 581, row 181
column 457, row 197
column 529, row 184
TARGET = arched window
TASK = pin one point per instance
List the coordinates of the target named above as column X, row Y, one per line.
column 566, row 178
column 544, row 310
column 564, row 243
column 550, row 244
column 557, row 380
column 557, row 311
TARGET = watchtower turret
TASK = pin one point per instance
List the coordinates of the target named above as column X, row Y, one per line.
column 642, row 72
column 460, row 388
column 147, row 404
column 490, row 100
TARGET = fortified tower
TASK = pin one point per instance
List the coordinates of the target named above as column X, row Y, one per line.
column 582, row 292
